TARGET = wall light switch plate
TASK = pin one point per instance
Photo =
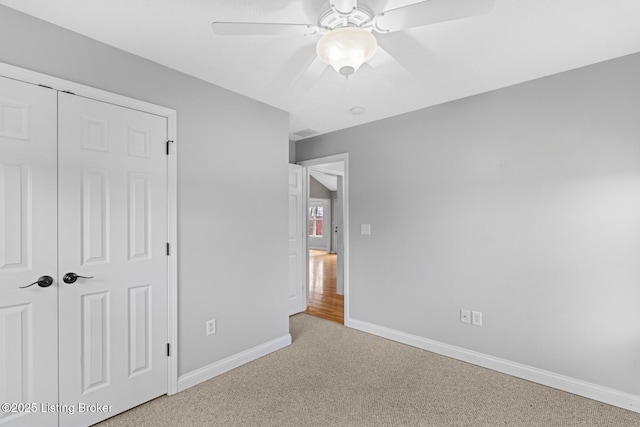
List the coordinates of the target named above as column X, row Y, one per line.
column 465, row 316
column 365, row 229
column 476, row 318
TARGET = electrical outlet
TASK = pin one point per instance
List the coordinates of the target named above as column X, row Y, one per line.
column 211, row 327
column 365, row 229
column 465, row 316
column 476, row 318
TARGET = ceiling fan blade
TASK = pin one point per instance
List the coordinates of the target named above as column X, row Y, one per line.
column 402, row 48
column 262, row 29
column 388, row 66
column 309, row 77
column 429, row 12
column 290, row 70
column 344, row 7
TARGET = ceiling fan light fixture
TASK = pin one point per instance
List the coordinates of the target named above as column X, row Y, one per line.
column 346, row 49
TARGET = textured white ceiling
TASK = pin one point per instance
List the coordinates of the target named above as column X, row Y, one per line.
column 519, row 41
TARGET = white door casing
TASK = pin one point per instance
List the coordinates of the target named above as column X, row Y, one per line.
column 340, row 246
column 297, row 229
column 334, row 226
column 113, row 228
column 343, row 222
column 28, row 248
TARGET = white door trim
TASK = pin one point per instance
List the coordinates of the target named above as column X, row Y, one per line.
column 345, row 215
column 34, row 77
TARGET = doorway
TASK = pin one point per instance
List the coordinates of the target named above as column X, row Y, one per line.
column 327, row 201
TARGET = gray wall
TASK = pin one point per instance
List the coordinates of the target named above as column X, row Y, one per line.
column 292, row 151
column 232, row 160
column 522, row 203
column 317, row 190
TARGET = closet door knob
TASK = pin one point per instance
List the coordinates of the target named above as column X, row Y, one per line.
column 43, row 282
column 72, row 277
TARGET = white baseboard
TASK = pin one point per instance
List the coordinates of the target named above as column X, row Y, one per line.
column 540, row 376
column 231, row 362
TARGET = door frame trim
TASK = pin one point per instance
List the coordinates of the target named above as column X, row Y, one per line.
column 33, row 77
column 344, row 157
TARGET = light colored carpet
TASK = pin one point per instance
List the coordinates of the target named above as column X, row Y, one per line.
column 335, row 376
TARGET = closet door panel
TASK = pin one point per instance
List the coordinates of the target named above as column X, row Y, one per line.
column 28, row 251
column 113, row 229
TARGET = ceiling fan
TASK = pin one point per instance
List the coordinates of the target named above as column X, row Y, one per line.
column 346, row 29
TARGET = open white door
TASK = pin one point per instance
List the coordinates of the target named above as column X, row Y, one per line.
column 297, row 255
column 28, row 251
column 113, row 231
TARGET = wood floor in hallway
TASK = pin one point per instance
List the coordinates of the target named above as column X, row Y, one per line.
column 324, row 302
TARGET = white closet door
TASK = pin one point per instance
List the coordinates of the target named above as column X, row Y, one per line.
column 113, row 228
column 28, row 250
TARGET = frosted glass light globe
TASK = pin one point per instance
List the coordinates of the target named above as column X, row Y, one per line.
column 346, row 49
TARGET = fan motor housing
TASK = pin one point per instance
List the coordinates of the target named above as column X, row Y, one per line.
column 332, row 19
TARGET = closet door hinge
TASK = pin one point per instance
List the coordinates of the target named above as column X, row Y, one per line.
column 168, row 249
column 168, row 349
column 169, row 142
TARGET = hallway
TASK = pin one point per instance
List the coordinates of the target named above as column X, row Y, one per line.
column 324, row 302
